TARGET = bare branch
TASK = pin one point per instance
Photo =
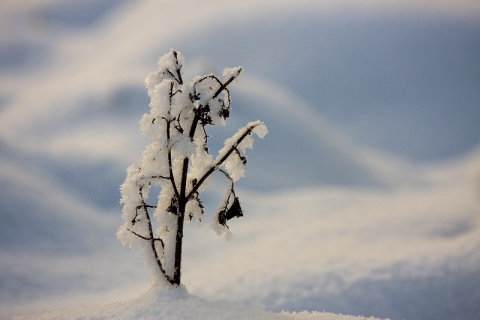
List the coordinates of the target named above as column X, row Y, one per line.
column 146, row 238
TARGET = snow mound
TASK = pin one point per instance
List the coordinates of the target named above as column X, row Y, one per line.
column 177, row 303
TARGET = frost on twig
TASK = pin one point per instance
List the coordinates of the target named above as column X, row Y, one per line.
column 177, row 160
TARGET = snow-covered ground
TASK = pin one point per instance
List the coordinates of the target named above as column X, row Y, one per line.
column 177, row 303
column 363, row 199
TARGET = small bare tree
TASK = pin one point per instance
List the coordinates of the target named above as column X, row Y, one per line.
column 177, row 159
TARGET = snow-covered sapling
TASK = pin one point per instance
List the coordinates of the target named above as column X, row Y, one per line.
column 177, row 160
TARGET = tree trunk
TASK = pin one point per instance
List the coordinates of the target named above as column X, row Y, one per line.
column 178, row 245
column 182, row 203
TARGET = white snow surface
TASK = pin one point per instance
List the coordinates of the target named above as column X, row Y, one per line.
column 176, row 303
column 363, row 198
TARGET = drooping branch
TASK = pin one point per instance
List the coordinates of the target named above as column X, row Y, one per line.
column 228, row 177
column 229, row 211
column 151, row 238
column 204, row 110
column 153, row 241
